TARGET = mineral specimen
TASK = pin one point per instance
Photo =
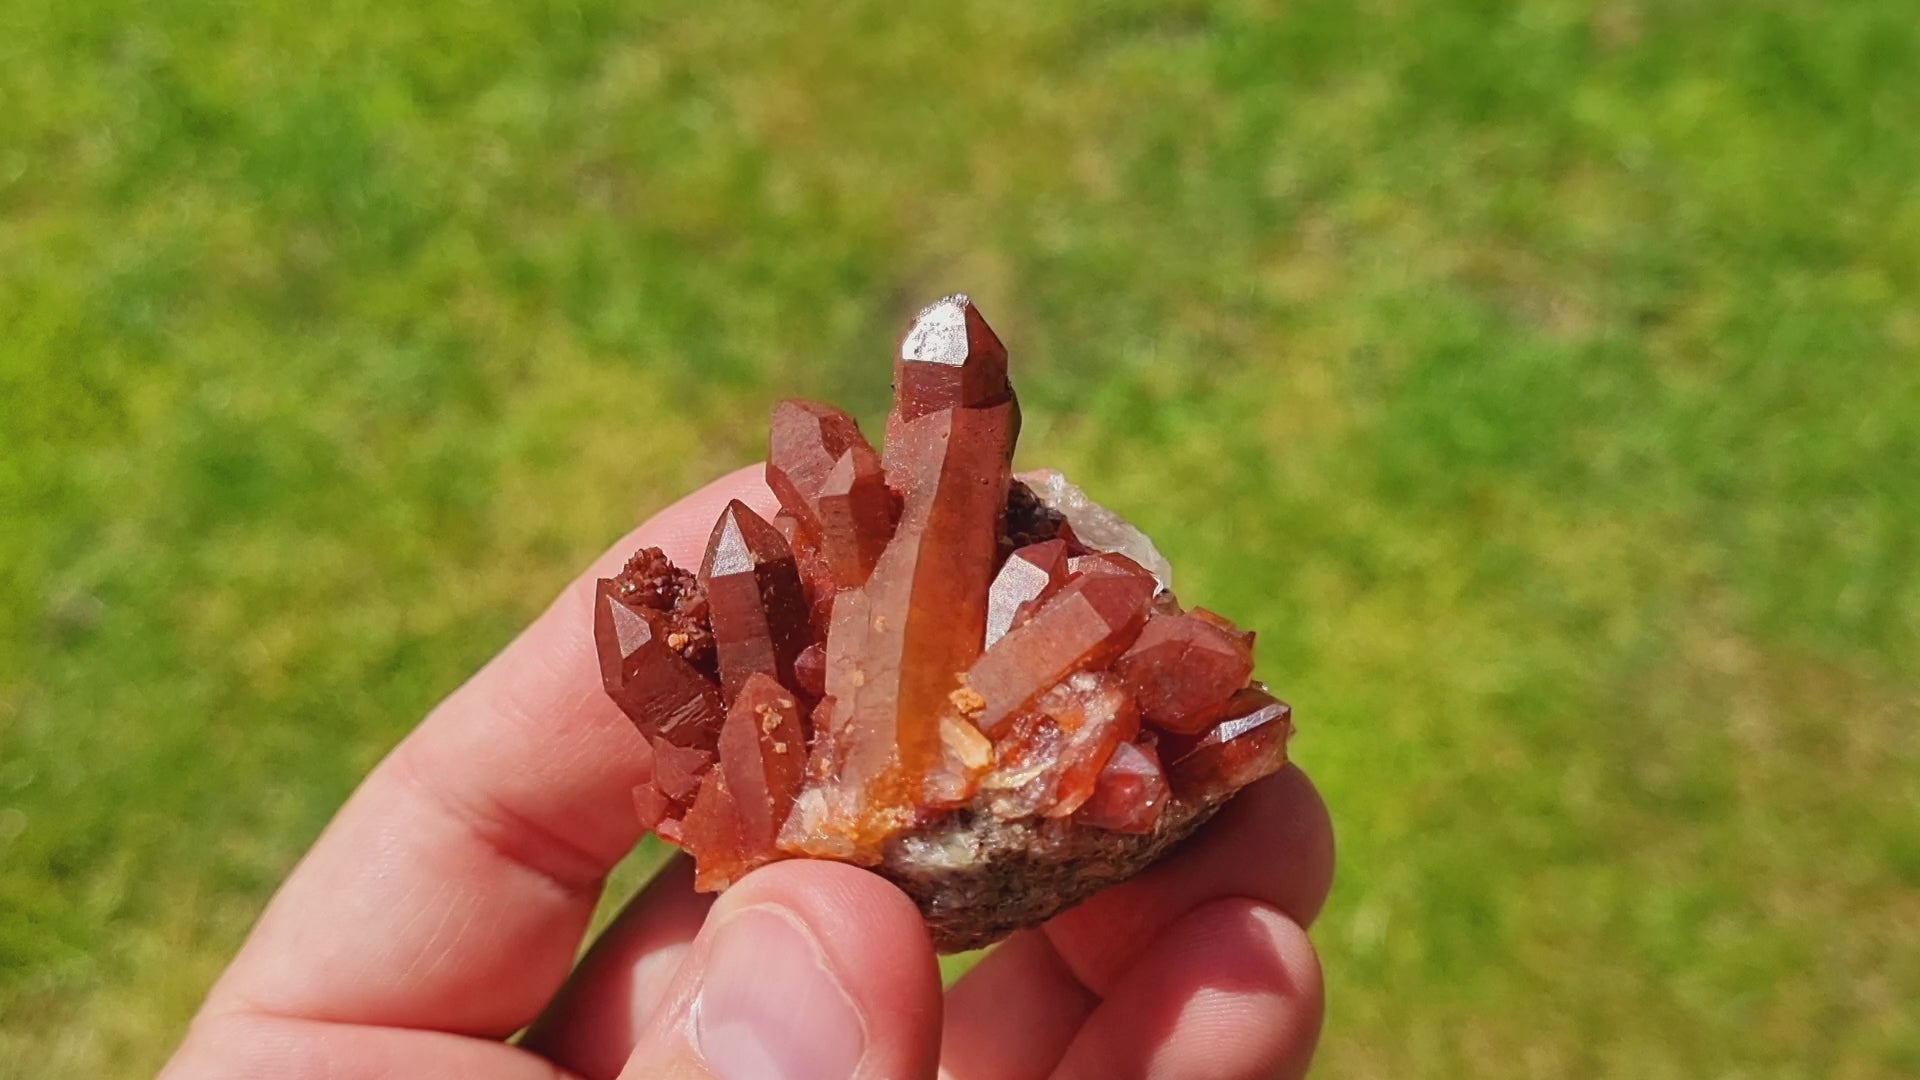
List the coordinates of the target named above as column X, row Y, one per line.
column 980, row 686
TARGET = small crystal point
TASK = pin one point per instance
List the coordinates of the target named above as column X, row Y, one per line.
column 810, row 671
column 1084, row 625
column 857, row 513
column 1248, row 744
column 759, row 608
column 807, row 438
column 829, row 479
column 1029, row 576
column 677, row 769
column 1182, row 669
column 744, row 800
column 650, row 806
column 711, row 834
column 663, row 694
column 1130, row 793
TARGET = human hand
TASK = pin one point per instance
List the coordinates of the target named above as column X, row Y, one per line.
column 442, row 909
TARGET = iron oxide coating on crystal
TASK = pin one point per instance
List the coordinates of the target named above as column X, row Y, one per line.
column 981, row 687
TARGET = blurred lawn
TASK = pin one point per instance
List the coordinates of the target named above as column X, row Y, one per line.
column 1542, row 379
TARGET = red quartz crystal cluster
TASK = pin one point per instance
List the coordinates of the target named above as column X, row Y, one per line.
column 917, row 639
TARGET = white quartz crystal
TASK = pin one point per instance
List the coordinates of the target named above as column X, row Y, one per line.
column 1096, row 526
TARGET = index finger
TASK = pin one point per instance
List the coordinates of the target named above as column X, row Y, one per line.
column 453, row 888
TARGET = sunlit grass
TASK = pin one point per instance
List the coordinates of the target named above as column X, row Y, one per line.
column 1538, row 378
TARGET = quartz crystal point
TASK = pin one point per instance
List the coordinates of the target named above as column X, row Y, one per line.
column 666, row 697
column 1085, row 625
column 1130, row 793
column 760, row 617
column 677, row 769
column 650, row 806
column 829, row 479
column 857, row 514
column 743, row 801
column 807, row 438
column 1182, row 668
column 899, row 640
column 1221, row 622
column 810, row 671
column 815, row 577
column 1030, row 575
column 949, row 359
column 1248, row 744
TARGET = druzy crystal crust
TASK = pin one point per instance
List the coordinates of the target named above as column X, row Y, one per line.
column 982, row 686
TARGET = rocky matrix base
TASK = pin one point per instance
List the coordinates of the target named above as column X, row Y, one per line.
column 979, row 685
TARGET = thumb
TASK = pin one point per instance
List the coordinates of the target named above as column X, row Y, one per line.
column 802, row 970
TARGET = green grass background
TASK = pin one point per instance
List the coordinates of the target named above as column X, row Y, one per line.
column 1542, row 379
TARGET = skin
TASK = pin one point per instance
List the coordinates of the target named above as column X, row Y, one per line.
column 442, row 910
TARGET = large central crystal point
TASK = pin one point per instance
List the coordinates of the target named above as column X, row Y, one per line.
column 982, row 688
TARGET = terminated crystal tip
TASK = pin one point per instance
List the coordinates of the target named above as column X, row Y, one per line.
column 940, row 333
column 758, row 605
column 949, row 359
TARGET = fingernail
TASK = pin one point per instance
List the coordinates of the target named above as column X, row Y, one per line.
column 770, row 1007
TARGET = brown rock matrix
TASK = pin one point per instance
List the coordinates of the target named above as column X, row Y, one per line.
column 920, row 666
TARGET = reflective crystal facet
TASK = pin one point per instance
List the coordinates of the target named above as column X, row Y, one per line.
column 1248, row 744
column 1130, row 794
column 1029, row 576
column 760, row 617
column 1083, row 626
column 949, row 359
column 664, row 695
column 1182, row 668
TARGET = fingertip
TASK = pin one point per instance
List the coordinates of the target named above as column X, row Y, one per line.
column 593, row 1024
column 1233, row 989
column 1273, row 843
column 805, row 968
column 1293, row 815
column 859, row 917
column 1258, row 997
